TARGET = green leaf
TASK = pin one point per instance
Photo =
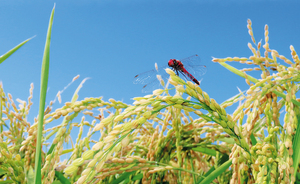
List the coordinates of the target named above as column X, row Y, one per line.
column 123, row 177
column 56, row 182
column 222, row 160
column 298, row 176
column 51, row 149
column 216, row 172
column 296, row 143
column 205, row 151
column 9, row 53
column 6, row 181
column 137, row 177
column 227, row 140
column 253, row 139
column 2, row 173
column 61, row 178
column 43, row 91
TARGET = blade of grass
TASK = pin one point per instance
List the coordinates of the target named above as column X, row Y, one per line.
column 137, row 177
column 43, row 91
column 216, row 172
column 298, row 176
column 10, row 52
column 296, row 144
column 6, row 181
column 123, row 177
column 253, row 139
column 61, row 178
column 227, row 140
column 223, row 159
column 205, row 151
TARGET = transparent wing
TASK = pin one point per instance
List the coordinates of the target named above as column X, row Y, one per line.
column 192, row 60
column 149, row 79
column 197, row 70
column 145, row 77
column 192, row 65
column 155, row 84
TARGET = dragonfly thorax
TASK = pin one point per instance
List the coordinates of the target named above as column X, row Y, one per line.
column 175, row 64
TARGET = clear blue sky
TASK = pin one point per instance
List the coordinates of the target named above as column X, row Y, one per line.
column 112, row 41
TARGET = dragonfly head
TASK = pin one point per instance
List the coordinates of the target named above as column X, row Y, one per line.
column 171, row 62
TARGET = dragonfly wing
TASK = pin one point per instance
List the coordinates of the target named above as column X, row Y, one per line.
column 185, row 76
column 192, row 60
column 192, row 65
column 145, row 77
column 149, row 79
column 151, row 86
column 196, row 70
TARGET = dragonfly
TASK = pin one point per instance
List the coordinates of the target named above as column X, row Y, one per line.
column 189, row 68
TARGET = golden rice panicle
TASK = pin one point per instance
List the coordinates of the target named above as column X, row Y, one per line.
column 266, row 35
column 161, row 81
column 53, row 159
column 290, row 120
column 218, row 60
column 28, row 145
column 29, row 98
column 234, row 155
column 253, row 51
column 275, row 109
column 250, row 31
column 11, row 164
column 247, row 70
column 170, row 72
column 246, row 78
column 294, row 55
column 152, row 145
column 286, row 60
column 286, row 167
column 12, row 102
column 177, row 80
column 266, row 45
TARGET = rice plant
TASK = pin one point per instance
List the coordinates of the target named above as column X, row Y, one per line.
column 185, row 137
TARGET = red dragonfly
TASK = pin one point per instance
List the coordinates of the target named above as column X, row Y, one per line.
column 188, row 67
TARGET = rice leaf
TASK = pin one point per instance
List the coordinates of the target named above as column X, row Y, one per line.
column 10, row 52
column 217, row 172
column 43, row 91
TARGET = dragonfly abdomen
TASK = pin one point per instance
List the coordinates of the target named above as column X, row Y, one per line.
column 191, row 77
